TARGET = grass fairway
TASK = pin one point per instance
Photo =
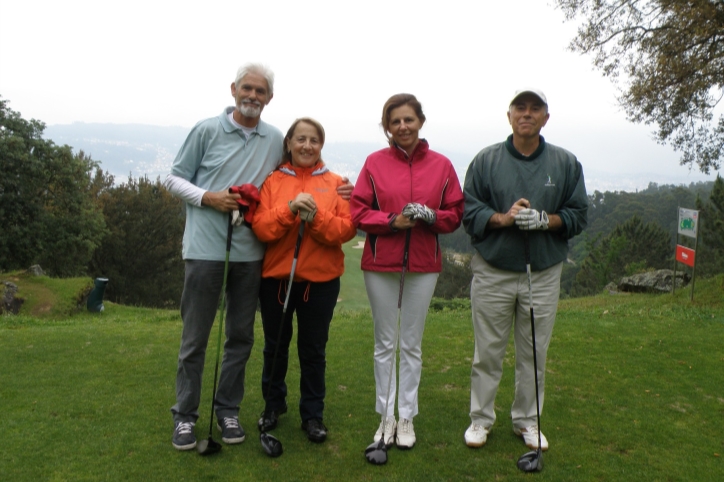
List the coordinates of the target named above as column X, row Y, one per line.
column 352, row 294
column 634, row 392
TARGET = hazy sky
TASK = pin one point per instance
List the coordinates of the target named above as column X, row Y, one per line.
column 171, row 63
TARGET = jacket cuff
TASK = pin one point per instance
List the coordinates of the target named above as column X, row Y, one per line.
column 392, row 220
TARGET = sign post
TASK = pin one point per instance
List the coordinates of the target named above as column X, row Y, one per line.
column 688, row 226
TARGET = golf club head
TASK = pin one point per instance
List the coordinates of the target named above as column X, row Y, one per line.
column 376, row 452
column 271, row 445
column 531, row 461
column 208, row 447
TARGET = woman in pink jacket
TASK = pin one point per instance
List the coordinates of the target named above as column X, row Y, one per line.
column 405, row 194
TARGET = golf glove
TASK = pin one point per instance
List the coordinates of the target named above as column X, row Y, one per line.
column 307, row 216
column 417, row 211
column 248, row 203
column 530, row 219
column 237, row 218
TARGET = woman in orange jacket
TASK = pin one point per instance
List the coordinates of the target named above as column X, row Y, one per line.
column 302, row 189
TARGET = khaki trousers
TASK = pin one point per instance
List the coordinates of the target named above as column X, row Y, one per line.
column 499, row 301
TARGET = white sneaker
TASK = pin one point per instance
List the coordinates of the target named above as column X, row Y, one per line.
column 476, row 435
column 388, row 426
column 405, row 434
column 530, row 436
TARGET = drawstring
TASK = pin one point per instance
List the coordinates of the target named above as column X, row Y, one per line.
column 306, row 292
column 281, row 296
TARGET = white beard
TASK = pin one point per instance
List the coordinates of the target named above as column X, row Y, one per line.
column 249, row 109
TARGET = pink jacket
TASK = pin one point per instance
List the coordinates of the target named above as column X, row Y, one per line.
column 387, row 182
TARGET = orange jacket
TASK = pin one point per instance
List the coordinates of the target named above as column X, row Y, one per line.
column 320, row 255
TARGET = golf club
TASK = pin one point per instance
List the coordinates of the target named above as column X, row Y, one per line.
column 376, row 452
column 532, row 461
column 211, row 446
column 271, row 445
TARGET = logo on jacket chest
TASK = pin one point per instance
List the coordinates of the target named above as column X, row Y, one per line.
column 549, row 182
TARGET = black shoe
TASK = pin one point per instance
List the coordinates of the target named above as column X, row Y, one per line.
column 231, row 431
column 316, row 431
column 268, row 419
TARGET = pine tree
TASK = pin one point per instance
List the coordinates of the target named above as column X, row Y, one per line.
column 632, row 247
column 710, row 253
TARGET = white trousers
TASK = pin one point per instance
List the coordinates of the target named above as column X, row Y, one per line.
column 383, row 290
column 499, row 302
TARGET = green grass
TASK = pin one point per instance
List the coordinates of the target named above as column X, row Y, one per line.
column 634, row 392
column 352, row 294
column 49, row 297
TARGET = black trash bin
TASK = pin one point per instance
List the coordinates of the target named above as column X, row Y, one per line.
column 95, row 298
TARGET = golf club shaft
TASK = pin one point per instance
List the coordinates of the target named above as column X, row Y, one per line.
column 397, row 325
column 532, row 330
column 222, row 310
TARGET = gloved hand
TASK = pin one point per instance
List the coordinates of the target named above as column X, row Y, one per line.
column 248, row 202
column 530, row 219
column 417, row 211
column 306, row 215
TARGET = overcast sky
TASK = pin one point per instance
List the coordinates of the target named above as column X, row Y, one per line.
column 171, row 63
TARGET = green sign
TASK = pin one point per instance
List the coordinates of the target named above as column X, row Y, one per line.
column 688, row 222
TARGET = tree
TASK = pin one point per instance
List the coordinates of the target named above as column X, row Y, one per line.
column 47, row 210
column 710, row 254
column 141, row 254
column 670, row 55
column 454, row 280
column 457, row 241
column 630, row 248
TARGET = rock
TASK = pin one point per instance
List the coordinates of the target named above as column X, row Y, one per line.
column 660, row 281
column 9, row 303
column 36, row 270
column 612, row 288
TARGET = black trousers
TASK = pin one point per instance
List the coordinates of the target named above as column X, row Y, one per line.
column 314, row 305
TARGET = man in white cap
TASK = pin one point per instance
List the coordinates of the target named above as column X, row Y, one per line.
column 521, row 187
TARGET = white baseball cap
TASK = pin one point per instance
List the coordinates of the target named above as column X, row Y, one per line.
column 536, row 92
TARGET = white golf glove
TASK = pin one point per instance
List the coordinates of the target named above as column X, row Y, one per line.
column 530, row 219
column 307, row 216
column 237, row 219
column 417, row 211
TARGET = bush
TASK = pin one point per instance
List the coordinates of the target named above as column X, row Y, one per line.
column 141, row 255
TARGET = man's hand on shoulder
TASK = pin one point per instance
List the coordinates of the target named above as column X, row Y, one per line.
column 345, row 190
column 223, row 201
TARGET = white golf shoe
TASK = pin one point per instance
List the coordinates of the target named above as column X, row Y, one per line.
column 530, row 437
column 387, row 426
column 476, row 435
column 405, row 434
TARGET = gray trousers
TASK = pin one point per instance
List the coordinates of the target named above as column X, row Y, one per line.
column 199, row 305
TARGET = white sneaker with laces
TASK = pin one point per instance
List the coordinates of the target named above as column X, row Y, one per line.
column 476, row 435
column 405, row 434
column 387, row 426
column 530, row 437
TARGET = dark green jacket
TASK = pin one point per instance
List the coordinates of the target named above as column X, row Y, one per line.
column 551, row 179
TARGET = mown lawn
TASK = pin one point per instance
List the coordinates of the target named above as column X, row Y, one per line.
column 634, row 392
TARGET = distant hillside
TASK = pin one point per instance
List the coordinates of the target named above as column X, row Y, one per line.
column 123, row 149
column 138, row 149
column 146, row 149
